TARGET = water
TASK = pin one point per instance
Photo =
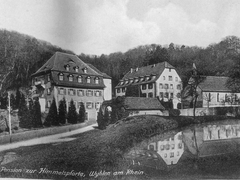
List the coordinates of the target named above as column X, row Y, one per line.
column 203, row 151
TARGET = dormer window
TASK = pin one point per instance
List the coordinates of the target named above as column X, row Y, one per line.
column 85, row 70
column 97, row 80
column 80, row 79
column 70, row 77
column 136, row 80
column 76, row 69
column 131, row 80
column 121, row 83
column 153, row 77
column 67, row 67
column 88, row 79
column 60, row 76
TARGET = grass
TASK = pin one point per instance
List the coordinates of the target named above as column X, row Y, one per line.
column 95, row 150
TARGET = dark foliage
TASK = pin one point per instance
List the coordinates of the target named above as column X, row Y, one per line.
column 4, row 102
column 133, row 91
column 81, row 114
column 36, row 114
column 52, row 117
column 24, row 114
column 72, row 115
column 62, row 111
column 17, row 98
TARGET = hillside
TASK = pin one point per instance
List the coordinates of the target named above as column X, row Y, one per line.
column 21, row 55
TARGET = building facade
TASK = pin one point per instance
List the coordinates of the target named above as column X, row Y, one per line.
column 159, row 80
column 213, row 92
column 67, row 76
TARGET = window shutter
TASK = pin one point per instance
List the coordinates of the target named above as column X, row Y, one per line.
column 68, row 91
column 95, row 93
column 100, row 93
column 74, row 92
column 58, row 90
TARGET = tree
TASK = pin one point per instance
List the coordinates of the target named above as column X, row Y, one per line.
column 3, row 102
column 62, row 111
column 23, row 113
column 17, row 98
column 81, row 114
column 233, row 81
column 37, row 120
column 12, row 101
column 133, row 91
column 207, row 97
column 52, row 117
column 191, row 89
column 72, row 116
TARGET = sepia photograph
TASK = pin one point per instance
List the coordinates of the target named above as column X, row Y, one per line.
column 119, row 89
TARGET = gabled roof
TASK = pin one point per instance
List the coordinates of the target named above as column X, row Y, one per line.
column 151, row 70
column 214, row 84
column 59, row 61
column 142, row 103
column 102, row 73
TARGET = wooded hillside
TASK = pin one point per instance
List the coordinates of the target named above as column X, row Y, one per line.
column 21, row 55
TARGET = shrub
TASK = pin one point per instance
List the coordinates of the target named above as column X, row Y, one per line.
column 82, row 111
column 62, row 111
column 36, row 112
column 174, row 112
column 52, row 117
column 24, row 114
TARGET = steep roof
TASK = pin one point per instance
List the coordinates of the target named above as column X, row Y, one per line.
column 59, row 60
column 102, row 73
column 151, row 71
column 142, row 103
column 214, row 84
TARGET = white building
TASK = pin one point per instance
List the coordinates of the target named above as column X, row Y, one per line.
column 170, row 149
column 158, row 80
column 214, row 92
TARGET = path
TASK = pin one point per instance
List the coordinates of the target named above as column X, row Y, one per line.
column 46, row 139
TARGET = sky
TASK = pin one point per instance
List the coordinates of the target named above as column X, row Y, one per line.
column 107, row 26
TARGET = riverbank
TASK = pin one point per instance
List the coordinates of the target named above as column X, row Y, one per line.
column 96, row 150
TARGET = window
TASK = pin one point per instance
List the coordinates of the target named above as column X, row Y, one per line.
column 60, row 77
column 76, row 69
column 171, row 154
column 89, row 105
column 123, row 90
column 88, row 79
column 62, row 91
column 96, row 80
column 80, row 79
column 98, row 93
column 164, row 78
column 178, row 95
column 162, row 147
column 48, row 91
column 171, row 86
column 144, row 95
column 166, row 86
column 179, row 137
column 85, row 70
column 80, row 92
column 179, row 86
column 89, row 92
column 136, row 80
column 176, row 78
column 170, row 78
column 118, row 90
column 144, row 86
column 67, row 67
column 167, row 147
column 166, row 95
column 151, row 147
column 173, row 146
column 161, row 95
column 169, row 70
column 165, row 155
column 70, row 77
column 71, row 92
column 171, row 96
column 178, row 153
column 160, row 86
column 150, row 94
column 180, row 145
column 150, row 86
column 97, row 105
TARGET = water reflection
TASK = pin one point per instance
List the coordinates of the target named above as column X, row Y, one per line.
column 211, row 149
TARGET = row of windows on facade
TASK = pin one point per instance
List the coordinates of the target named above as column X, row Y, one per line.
column 146, row 78
column 168, row 95
column 150, row 86
column 168, row 146
column 79, row 78
column 226, row 98
column 80, row 92
column 75, row 68
column 88, row 105
column 171, row 154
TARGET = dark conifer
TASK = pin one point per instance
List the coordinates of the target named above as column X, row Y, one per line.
column 23, row 113
column 62, row 111
column 81, row 114
column 52, row 117
column 37, row 120
column 72, row 113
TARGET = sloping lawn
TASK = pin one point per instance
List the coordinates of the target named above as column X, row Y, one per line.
column 95, row 150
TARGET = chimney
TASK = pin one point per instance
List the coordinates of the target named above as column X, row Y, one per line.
column 131, row 70
column 136, row 69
